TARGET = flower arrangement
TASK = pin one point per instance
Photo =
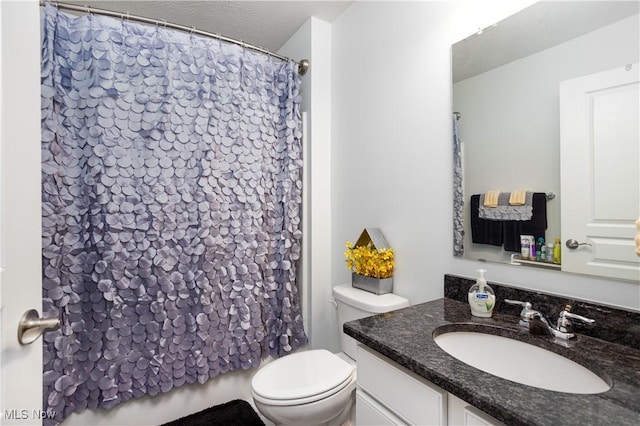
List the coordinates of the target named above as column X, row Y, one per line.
column 368, row 261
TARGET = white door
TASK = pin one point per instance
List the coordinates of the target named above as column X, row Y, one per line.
column 20, row 235
column 600, row 172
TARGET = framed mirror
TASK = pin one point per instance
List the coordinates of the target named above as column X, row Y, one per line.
column 506, row 97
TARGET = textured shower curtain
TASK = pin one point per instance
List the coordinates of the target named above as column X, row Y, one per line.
column 171, row 198
column 458, row 196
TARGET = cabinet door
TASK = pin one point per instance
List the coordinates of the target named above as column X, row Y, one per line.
column 406, row 394
column 461, row 413
column 371, row 413
column 475, row 417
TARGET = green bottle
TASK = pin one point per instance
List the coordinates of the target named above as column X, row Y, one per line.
column 542, row 250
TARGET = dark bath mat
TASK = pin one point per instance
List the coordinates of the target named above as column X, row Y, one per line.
column 232, row 413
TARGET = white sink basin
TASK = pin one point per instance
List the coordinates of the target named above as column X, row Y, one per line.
column 521, row 362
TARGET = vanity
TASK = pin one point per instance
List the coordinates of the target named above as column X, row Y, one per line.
column 389, row 394
column 405, row 377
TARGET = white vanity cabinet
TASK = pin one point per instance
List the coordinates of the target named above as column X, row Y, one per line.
column 460, row 412
column 389, row 394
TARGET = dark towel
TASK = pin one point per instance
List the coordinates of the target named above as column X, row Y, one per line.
column 232, row 413
column 536, row 226
column 484, row 231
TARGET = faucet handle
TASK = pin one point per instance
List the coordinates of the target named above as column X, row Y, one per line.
column 565, row 317
column 525, row 305
column 585, row 320
column 526, row 314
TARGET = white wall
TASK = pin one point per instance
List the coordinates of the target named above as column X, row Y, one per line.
column 510, row 125
column 391, row 134
column 391, row 158
column 313, row 42
column 391, row 146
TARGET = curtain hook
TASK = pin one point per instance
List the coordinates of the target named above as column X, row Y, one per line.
column 244, row 48
column 164, row 24
column 89, row 14
column 122, row 23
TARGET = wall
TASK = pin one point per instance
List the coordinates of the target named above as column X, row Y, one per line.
column 315, row 44
column 391, row 146
column 510, row 128
column 391, row 135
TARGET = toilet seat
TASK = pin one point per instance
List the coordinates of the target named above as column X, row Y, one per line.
column 302, row 378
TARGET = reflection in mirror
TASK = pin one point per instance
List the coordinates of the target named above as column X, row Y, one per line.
column 506, row 90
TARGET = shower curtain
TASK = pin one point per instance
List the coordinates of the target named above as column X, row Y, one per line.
column 171, row 195
column 458, row 198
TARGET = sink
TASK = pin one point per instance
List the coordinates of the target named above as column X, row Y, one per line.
column 520, row 362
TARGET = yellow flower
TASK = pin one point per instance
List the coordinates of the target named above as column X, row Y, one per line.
column 369, row 261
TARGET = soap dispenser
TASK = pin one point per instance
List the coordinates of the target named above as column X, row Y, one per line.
column 482, row 299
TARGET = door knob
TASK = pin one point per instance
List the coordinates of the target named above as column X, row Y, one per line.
column 573, row 244
column 31, row 326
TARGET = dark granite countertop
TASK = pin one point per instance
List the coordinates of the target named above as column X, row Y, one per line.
column 406, row 337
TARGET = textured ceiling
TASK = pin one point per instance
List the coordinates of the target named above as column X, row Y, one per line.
column 267, row 24
column 538, row 27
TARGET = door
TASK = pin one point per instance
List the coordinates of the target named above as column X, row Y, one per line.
column 20, row 235
column 600, row 173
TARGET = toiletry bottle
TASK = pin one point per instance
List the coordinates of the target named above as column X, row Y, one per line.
column 482, row 299
column 557, row 252
column 550, row 252
column 542, row 252
column 533, row 250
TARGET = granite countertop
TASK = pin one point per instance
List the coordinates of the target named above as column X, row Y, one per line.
column 406, row 337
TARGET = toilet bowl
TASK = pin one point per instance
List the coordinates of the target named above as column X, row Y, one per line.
column 312, row 387
column 317, row 387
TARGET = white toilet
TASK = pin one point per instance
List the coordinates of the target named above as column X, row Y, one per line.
column 317, row 387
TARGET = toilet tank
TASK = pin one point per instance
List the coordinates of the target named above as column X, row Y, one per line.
column 353, row 304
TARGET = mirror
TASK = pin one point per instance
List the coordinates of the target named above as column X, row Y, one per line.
column 505, row 90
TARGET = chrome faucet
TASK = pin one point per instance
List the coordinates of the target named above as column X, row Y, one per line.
column 562, row 329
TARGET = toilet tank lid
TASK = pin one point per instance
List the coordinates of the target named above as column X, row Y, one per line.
column 367, row 301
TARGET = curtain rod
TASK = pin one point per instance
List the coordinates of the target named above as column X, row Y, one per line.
column 303, row 65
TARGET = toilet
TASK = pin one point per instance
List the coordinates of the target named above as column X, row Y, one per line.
column 317, row 387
